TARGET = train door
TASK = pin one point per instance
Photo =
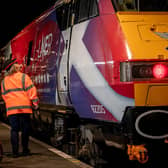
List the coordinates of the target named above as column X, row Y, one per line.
column 64, row 15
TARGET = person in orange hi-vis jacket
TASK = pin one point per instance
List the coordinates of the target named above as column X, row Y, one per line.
column 20, row 96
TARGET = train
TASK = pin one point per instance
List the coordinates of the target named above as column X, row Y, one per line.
column 101, row 72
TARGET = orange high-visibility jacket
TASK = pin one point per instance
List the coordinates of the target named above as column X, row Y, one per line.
column 19, row 93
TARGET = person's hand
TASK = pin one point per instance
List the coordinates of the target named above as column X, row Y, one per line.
column 36, row 107
column 36, row 111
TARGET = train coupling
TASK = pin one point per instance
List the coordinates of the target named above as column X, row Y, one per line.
column 137, row 152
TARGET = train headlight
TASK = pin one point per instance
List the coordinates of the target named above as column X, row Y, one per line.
column 143, row 71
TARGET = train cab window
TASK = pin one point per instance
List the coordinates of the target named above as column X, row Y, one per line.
column 63, row 16
column 153, row 5
column 140, row 5
column 124, row 5
column 29, row 53
column 85, row 9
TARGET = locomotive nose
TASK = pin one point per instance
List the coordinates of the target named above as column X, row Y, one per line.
column 152, row 124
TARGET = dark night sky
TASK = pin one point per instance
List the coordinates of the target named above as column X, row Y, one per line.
column 15, row 15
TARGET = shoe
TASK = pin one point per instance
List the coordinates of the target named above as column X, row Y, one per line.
column 26, row 153
column 15, row 155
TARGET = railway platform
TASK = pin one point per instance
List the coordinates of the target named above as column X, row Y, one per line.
column 42, row 155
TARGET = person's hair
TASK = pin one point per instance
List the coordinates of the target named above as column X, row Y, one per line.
column 15, row 68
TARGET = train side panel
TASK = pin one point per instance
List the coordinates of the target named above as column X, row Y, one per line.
column 40, row 49
column 95, row 55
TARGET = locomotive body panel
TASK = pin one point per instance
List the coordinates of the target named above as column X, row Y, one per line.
column 145, row 33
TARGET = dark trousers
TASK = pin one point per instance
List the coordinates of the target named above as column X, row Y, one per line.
column 19, row 122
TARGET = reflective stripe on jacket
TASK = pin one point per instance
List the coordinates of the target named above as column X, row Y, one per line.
column 19, row 93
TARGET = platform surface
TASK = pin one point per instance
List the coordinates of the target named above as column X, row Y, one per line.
column 42, row 155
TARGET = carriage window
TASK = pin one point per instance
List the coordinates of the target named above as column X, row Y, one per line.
column 85, row 9
column 63, row 16
column 29, row 53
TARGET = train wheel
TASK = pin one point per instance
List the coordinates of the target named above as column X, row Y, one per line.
column 90, row 153
column 95, row 155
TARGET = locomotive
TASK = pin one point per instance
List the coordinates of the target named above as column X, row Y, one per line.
column 101, row 72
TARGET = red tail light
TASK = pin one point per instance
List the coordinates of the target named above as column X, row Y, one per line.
column 143, row 71
column 160, row 71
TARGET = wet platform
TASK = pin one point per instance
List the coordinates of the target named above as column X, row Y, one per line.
column 42, row 155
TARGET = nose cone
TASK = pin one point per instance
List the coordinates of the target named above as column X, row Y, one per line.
column 146, row 34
